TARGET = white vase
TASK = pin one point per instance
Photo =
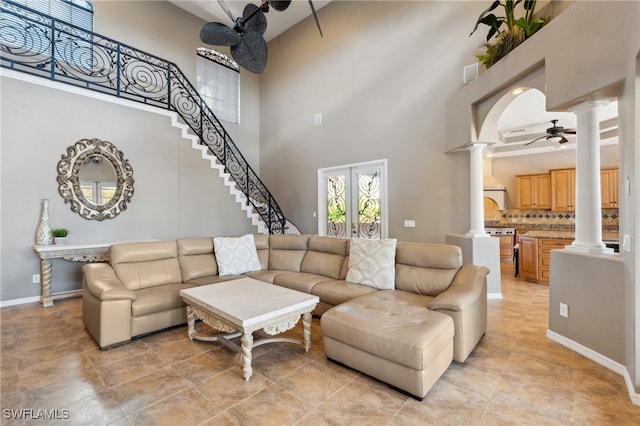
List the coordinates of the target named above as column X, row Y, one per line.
column 43, row 234
column 60, row 241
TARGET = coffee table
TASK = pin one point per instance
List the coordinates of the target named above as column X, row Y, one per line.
column 243, row 306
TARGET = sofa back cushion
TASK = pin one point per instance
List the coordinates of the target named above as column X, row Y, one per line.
column 426, row 269
column 325, row 256
column 262, row 245
column 142, row 265
column 196, row 258
column 287, row 251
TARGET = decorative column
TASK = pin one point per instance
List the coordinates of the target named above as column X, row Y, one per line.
column 475, row 191
column 588, row 234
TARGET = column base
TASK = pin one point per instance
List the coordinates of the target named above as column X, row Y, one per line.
column 594, row 248
column 476, row 234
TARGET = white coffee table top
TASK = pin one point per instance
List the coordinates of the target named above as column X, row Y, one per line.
column 247, row 302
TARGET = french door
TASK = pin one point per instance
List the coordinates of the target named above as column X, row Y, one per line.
column 352, row 201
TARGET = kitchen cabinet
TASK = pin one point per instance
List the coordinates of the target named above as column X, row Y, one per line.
column 506, row 247
column 563, row 190
column 545, row 245
column 528, row 253
column 609, row 193
column 534, row 191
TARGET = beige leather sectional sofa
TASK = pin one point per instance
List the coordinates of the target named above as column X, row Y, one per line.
column 406, row 337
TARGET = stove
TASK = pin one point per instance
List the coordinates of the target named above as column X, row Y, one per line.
column 500, row 231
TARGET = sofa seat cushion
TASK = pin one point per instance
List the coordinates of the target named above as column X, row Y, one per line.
column 301, row 281
column 335, row 292
column 393, row 325
column 268, row 275
column 213, row 279
column 157, row 299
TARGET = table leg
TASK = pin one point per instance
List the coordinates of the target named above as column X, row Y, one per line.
column 306, row 327
column 191, row 321
column 45, row 283
column 246, row 342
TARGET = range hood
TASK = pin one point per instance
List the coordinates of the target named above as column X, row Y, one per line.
column 494, row 189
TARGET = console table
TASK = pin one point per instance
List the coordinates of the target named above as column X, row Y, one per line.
column 74, row 253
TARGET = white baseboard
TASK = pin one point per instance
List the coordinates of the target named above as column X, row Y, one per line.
column 494, row 296
column 600, row 359
column 56, row 296
column 21, row 301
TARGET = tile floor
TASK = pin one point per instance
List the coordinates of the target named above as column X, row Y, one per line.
column 515, row 376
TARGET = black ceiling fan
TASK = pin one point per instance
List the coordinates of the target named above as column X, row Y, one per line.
column 246, row 38
column 555, row 131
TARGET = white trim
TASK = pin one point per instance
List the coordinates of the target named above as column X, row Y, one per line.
column 21, row 301
column 612, row 365
column 494, row 296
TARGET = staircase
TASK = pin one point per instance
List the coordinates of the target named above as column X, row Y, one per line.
column 40, row 45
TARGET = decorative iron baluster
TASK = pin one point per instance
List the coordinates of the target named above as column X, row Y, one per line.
column 43, row 46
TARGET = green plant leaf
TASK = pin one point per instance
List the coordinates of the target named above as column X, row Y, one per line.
column 529, row 4
column 494, row 23
column 495, row 4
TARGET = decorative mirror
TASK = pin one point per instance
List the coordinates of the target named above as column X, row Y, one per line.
column 96, row 179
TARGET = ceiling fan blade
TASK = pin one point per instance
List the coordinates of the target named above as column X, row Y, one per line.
column 253, row 20
column 279, row 5
column 251, row 52
column 226, row 9
column 535, row 140
column 315, row 17
column 569, row 131
column 219, row 34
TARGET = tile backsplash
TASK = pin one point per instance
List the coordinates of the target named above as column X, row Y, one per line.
column 541, row 219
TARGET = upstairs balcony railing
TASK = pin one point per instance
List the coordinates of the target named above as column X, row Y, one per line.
column 40, row 45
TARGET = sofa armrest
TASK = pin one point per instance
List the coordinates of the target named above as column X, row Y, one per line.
column 102, row 282
column 467, row 287
column 466, row 302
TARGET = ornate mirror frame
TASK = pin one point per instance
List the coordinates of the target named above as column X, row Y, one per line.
column 69, row 181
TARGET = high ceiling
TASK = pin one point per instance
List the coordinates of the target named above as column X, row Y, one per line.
column 523, row 120
column 278, row 22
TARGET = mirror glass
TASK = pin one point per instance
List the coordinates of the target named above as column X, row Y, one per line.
column 95, row 179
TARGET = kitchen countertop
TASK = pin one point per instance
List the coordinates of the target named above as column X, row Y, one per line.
column 606, row 235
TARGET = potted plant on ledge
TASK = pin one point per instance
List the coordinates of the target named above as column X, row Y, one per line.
column 60, row 235
column 517, row 30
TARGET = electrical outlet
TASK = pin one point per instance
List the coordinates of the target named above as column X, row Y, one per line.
column 626, row 243
column 564, row 310
column 36, row 278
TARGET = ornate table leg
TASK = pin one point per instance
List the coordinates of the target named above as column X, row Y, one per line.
column 191, row 321
column 306, row 327
column 246, row 342
column 45, row 283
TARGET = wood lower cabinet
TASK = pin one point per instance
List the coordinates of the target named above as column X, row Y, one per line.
column 506, row 247
column 535, row 257
column 545, row 245
column 534, row 191
column 528, row 258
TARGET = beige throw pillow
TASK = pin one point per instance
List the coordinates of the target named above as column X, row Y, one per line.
column 236, row 255
column 372, row 263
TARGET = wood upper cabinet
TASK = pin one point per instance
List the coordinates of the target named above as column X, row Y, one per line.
column 609, row 188
column 563, row 190
column 534, row 191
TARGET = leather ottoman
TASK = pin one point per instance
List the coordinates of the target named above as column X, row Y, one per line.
column 391, row 335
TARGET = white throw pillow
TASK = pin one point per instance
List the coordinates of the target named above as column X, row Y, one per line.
column 236, row 255
column 373, row 263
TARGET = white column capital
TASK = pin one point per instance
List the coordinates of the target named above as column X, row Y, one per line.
column 589, row 105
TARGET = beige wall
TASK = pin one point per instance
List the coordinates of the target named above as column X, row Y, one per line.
column 176, row 192
column 380, row 77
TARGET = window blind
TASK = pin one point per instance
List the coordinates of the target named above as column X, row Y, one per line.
column 75, row 12
column 218, row 82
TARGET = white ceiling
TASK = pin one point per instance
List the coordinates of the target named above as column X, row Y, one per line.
column 277, row 22
column 523, row 120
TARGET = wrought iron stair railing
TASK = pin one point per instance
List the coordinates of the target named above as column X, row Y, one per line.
column 41, row 45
